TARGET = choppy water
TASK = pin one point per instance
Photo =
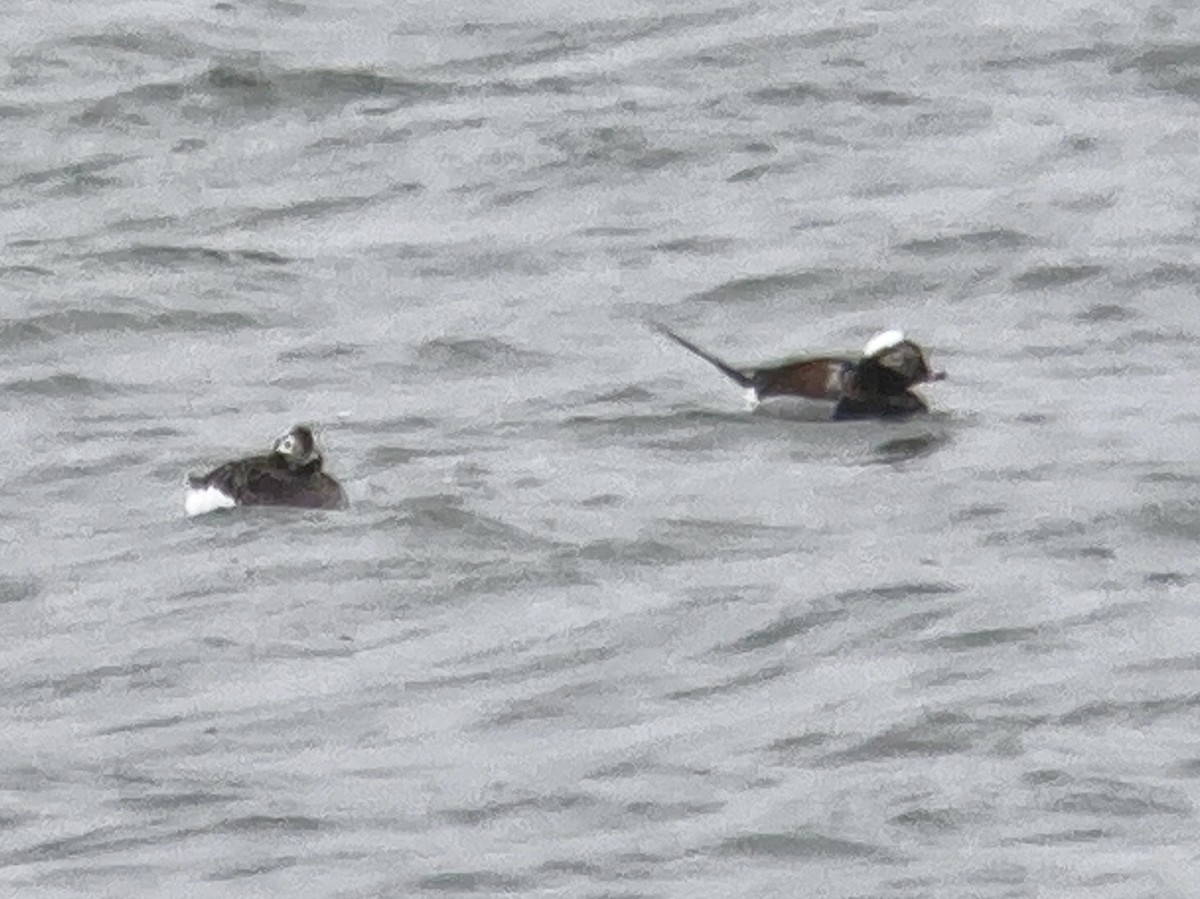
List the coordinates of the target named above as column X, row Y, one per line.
column 590, row 628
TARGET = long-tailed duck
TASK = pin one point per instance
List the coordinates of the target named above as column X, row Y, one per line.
column 289, row 475
column 877, row 384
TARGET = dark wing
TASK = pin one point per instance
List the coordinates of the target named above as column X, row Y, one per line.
column 331, row 493
column 286, row 487
column 231, row 477
column 815, row 378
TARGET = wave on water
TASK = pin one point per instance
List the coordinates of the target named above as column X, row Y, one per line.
column 612, row 148
column 250, row 91
column 82, row 322
column 762, row 288
column 189, row 256
column 447, row 515
column 75, row 177
column 18, row 589
column 1166, row 67
column 1042, row 277
column 475, row 355
column 64, row 386
column 801, row 845
column 325, row 207
column 992, row 239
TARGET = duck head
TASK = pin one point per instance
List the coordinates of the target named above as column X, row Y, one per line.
column 297, row 448
column 892, row 364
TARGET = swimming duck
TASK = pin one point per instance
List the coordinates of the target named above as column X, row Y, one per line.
column 877, row 384
column 289, row 475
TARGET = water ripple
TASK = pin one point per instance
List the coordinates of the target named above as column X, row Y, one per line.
column 801, row 845
column 63, row 386
column 82, row 322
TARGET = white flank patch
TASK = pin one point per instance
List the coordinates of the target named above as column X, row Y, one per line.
column 198, row 501
column 884, row 340
column 751, row 398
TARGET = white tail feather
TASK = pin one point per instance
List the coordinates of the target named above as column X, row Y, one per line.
column 199, row 500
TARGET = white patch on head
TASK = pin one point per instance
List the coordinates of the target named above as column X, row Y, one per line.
column 751, row 398
column 199, row 500
column 882, row 341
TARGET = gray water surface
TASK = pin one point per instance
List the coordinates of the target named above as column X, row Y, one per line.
column 590, row 628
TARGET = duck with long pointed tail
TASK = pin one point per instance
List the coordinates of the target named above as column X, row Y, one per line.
column 876, row 384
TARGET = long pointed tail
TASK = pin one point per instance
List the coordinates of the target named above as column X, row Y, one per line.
column 725, row 368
